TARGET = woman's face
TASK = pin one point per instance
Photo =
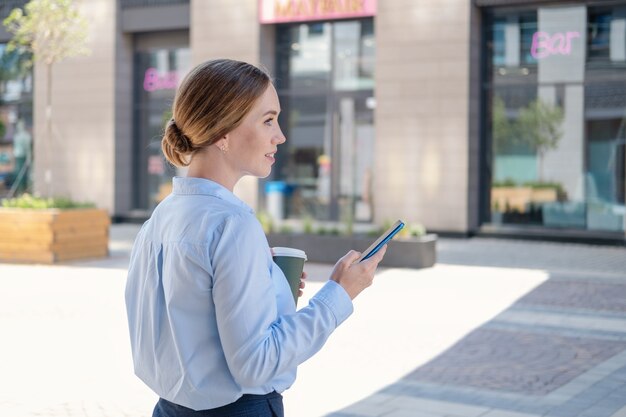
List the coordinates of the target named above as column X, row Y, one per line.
column 252, row 145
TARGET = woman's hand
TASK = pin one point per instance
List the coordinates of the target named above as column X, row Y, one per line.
column 302, row 284
column 355, row 277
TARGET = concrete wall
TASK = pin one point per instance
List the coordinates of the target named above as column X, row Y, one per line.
column 123, row 117
column 227, row 29
column 81, row 152
column 422, row 113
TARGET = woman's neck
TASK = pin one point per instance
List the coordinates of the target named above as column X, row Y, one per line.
column 211, row 164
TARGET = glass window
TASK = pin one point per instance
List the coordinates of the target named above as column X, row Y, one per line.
column 354, row 55
column 325, row 83
column 157, row 75
column 556, row 118
column 304, row 56
column 599, row 35
column 16, row 121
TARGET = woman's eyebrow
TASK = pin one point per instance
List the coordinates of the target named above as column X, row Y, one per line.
column 274, row 112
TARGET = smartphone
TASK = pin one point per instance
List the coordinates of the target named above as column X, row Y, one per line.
column 381, row 241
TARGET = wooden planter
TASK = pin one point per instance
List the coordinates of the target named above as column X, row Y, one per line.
column 419, row 252
column 53, row 235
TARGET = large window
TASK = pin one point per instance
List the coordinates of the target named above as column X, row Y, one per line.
column 556, row 120
column 157, row 75
column 16, row 120
column 325, row 79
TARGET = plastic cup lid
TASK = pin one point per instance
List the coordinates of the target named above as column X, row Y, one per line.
column 294, row 253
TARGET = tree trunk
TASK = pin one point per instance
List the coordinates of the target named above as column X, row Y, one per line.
column 47, row 148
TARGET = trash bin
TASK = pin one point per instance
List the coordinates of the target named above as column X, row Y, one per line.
column 276, row 193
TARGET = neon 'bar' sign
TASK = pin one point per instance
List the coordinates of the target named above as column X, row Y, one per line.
column 545, row 44
column 153, row 80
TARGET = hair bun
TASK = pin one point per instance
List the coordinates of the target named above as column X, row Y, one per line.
column 180, row 142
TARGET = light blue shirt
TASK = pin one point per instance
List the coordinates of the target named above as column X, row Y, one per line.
column 211, row 317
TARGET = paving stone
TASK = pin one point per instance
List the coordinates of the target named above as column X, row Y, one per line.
column 566, row 360
column 368, row 409
column 438, row 407
column 504, row 413
column 412, row 413
column 522, row 362
column 579, row 294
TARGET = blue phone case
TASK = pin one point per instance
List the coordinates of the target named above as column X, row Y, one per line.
column 384, row 241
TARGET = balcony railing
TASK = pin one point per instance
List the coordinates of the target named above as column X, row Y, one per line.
column 147, row 3
column 7, row 5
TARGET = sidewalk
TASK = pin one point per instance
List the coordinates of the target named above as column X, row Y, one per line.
column 497, row 328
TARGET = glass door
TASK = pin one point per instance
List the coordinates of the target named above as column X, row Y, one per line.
column 325, row 80
column 157, row 74
column 354, row 151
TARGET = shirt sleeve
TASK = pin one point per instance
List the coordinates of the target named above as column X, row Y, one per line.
column 258, row 344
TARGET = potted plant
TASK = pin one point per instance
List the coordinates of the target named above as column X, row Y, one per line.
column 49, row 230
column 411, row 248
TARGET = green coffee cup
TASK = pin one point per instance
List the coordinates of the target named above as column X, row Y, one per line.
column 291, row 262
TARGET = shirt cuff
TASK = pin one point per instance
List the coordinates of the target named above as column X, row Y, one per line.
column 337, row 300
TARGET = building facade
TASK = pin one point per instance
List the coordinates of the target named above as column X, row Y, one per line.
column 483, row 116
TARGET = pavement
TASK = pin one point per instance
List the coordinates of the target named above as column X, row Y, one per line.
column 497, row 328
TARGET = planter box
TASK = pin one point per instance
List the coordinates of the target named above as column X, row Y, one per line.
column 401, row 253
column 518, row 198
column 53, row 235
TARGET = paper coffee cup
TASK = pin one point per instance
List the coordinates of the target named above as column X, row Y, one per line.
column 291, row 262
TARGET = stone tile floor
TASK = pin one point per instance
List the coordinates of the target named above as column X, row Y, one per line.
column 498, row 328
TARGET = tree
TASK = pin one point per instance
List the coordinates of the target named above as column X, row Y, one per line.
column 52, row 30
column 539, row 125
column 502, row 129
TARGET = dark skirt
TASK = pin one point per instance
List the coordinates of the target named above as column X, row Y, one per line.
column 268, row 405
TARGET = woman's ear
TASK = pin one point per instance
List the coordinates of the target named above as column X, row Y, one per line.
column 222, row 144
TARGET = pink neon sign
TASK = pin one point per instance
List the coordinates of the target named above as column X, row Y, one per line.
column 280, row 11
column 545, row 44
column 154, row 80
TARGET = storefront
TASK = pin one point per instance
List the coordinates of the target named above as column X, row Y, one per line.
column 468, row 117
column 325, row 80
column 160, row 62
column 16, row 121
column 555, row 101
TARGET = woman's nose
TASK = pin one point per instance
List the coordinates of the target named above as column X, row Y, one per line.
column 281, row 137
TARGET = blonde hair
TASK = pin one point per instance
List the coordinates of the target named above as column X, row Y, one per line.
column 211, row 101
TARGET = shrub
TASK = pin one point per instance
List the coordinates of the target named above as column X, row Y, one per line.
column 27, row 201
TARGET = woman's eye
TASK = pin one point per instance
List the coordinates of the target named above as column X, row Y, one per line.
column 269, row 122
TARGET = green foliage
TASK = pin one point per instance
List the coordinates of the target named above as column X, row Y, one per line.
column 322, row 230
column 307, row 222
column 27, row 201
column 532, row 184
column 416, row 229
column 286, row 229
column 537, row 127
column 51, row 30
column 349, row 226
column 266, row 221
column 334, row 231
column 502, row 128
column 505, row 183
column 386, row 225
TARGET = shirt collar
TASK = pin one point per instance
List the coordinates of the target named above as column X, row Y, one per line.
column 203, row 186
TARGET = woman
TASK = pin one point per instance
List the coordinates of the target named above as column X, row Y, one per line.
column 213, row 326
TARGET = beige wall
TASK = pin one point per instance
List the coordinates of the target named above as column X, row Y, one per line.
column 422, row 113
column 81, row 150
column 227, row 29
